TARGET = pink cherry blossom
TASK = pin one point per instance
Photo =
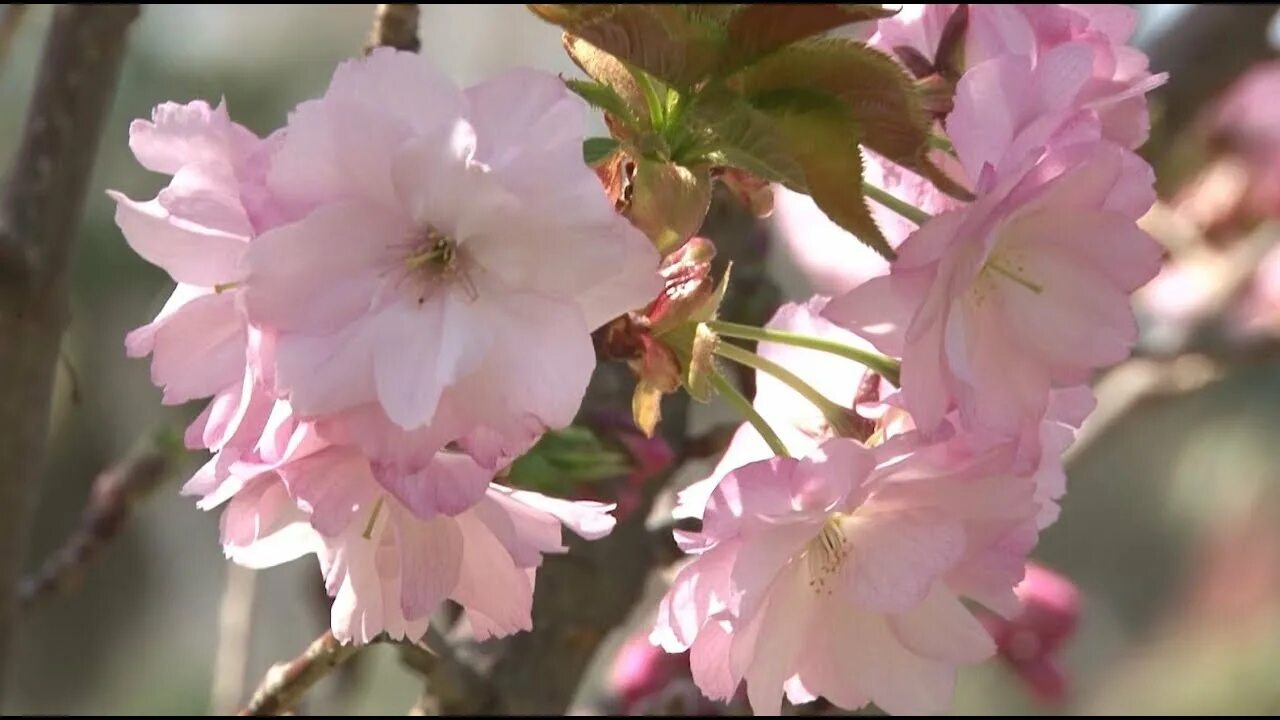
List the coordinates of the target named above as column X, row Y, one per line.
column 455, row 256
column 826, row 577
column 1093, row 69
column 798, row 423
column 1030, row 641
column 197, row 230
column 648, row 681
column 1024, row 290
column 386, row 567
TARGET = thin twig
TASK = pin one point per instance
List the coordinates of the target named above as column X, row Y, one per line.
column 394, row 25
column 235, row 625
column 40, row 210
column 111, row 502
column 286, row 682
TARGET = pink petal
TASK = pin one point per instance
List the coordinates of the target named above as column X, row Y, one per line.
column 942, row 628
column 319, row 274
column 898, row 558
column 430, row 562
column 189, row 252
column 449, row 485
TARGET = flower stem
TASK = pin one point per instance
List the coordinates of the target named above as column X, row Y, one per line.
column 836, row 415
column 744, row 407
column 886, row 367
column 905, row 209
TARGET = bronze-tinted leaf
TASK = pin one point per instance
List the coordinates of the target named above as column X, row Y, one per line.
column 823, row 137
column 663, row 40
column 658, row 373
column 880, row 96
column 761, row 28
column 668, row 201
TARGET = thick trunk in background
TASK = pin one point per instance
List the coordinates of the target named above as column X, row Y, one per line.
column 39, row 213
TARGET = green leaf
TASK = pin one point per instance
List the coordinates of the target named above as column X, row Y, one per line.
column 565, row 458
column 663, row 40
column 605, row 98
column 597, row 149
column 609, row 71
column 762, row 28
column 880, row 95
column 738, row 135
column 823, row 136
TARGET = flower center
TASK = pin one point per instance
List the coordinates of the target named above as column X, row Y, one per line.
column 826, row 553
column 436, row 256
column 1002, row 266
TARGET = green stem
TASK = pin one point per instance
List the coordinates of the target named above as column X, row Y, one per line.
column 657, row 108
column 887, row 367
column 905, row 209
column 744, row 407
column 836, row 415
column 938, row 142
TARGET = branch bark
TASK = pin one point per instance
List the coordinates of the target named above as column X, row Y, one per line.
column 111, row 501
column 285, row 683
column 394, row 25
column 10, row 20
column 39, row 212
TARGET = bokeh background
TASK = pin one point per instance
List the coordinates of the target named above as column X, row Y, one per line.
column 1171, row 528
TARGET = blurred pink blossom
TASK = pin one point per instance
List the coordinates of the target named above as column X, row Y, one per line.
column 1029, row 642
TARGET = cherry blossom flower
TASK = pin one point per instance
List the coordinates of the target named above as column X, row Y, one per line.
column 197, row 229
column 826, row 577
column 1024, row 290
column 1093, row 67
column 454, row 256
column 387, row 568
column 801, row 426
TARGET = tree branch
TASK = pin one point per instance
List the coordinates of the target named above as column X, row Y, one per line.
column 10, row 19
column 235, row 627
column 394, row 25
column 448, row 681
column 286, row 682
column 39, row 212
column 111, row 501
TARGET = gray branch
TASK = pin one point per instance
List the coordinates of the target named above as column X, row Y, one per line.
column 39, row 212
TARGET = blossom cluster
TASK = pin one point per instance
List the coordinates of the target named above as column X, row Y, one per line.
column 845, row 569
column 392, row 298
column 387, row 300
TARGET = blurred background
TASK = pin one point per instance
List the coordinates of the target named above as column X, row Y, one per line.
column 1171, row 528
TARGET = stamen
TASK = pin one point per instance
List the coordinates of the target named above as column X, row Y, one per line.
column 1028, row 284
column 223, row 287
column 826, row 553
column 438, row 250
column 373, row 518
column 438, row 256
